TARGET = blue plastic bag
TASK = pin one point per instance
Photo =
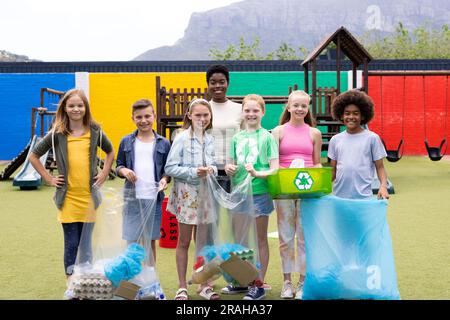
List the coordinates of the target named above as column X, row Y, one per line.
column 348, row 249
column 126, row 266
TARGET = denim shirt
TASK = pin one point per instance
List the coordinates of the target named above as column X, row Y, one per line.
column 125, row 158
column 187, row 154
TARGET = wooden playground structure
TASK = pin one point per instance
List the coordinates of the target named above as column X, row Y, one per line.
column 171, row 104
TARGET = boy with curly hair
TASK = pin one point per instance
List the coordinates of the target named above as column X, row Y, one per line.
column 356, row 152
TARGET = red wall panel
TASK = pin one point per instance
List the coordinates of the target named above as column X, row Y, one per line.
column 412, row 107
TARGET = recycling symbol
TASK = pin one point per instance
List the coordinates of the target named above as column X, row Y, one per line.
column 247, row 157
column 303, row 181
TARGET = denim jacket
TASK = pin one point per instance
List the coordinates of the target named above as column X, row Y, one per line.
column 187, row 154
column 125, row 158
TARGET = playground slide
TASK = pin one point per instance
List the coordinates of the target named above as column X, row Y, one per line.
column 15, row 163
column 28, row 178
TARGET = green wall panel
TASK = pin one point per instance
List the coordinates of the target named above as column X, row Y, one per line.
column 277, row 84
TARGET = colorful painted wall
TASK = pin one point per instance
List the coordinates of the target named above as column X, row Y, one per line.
column 112, row 94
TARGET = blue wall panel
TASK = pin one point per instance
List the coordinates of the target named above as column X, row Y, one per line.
column 18, row 94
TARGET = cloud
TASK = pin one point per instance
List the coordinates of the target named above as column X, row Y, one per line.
column 94, row 30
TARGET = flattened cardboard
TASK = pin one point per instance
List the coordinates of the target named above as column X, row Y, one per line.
column 240, row 270
column 127, row 290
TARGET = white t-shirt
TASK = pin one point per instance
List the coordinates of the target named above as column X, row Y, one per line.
column 144, row 169
column 355, row 155
column 226, row 123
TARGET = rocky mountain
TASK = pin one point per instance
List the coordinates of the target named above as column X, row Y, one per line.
column 296, row 22
column 6, row 56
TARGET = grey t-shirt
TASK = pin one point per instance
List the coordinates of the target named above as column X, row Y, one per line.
column 355, row 155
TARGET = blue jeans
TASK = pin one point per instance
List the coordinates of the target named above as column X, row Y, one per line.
column 74, row 244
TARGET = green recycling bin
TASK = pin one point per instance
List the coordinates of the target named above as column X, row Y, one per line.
column 295, row 183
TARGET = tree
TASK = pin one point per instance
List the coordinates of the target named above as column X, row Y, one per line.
column 422, row 43
column 252, row 51
column 242, row 52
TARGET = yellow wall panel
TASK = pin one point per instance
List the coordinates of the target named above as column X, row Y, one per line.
column 112, row 94
column 183, row 80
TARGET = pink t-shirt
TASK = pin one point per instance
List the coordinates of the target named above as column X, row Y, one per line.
column 296, row 144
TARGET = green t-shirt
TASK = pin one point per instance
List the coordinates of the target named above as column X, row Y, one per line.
column 258, row 148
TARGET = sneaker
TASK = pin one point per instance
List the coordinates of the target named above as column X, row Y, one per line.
column 267, row 287
column 69, row 295
column 287, row 291
column 255, row 293
column 230, row 289
column 299, row 291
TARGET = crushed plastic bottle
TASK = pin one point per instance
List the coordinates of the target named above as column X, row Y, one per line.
column 151, row 292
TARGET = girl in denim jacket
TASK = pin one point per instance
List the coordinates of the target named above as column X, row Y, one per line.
column 190, row 159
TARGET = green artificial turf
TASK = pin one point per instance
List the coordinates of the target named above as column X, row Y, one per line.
column 31, row 249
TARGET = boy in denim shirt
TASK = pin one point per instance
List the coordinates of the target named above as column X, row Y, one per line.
column 141, row 159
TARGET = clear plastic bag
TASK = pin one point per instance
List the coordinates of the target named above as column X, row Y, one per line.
column 226, row 234
column 117, row 246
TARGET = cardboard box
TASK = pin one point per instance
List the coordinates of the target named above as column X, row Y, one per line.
column 127, row 290
column 240, row 270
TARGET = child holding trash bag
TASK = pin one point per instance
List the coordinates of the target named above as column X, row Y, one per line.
column 356, row 152
column 353, row 234
column 190, row 159
column 141, row 159
column 254, row 151
column 74, row 138
column 300, row 145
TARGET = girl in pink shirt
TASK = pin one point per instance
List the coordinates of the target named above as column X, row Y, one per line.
column 297, row 140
